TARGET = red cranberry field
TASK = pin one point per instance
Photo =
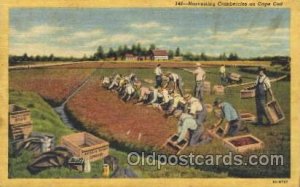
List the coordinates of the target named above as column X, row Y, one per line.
column 100, row 109
column 54, row 85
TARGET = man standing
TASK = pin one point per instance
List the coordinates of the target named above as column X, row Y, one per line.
column 262, row 87
column 230, row 115
column 158, row 76
column 187, row 123
column 223, row 74
column 199, row 79
column 177, row 81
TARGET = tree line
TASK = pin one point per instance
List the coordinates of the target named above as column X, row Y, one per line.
column 137, row 50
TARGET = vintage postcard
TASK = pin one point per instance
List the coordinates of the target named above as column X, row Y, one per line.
column 183, row 93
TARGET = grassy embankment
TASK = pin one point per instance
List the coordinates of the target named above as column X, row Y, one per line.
column 46, row 120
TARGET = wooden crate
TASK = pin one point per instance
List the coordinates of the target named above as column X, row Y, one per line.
column 86, row 146
column 173, row 148
column 274, row 112
column 245, row 94
column 216, row 133
column 20, row 131
column 218, row 89
column 206, row 87
column 243, row 143
column 18, row 115
column 247, row 117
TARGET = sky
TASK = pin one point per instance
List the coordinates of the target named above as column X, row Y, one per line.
column 78, row 31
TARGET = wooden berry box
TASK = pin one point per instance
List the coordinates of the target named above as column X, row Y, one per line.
column 243, row 143
column 274, row 112
column 247, row 117
column 207, row 87
column 86, row 146
column 20, row 125
column 218, row 89
column 18, row 115
column 245, row 94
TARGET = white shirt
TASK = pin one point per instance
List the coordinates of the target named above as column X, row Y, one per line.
column 166, row 96
column 200, row 73
column 129, row 89
column 260, row 79
column 157, row 71
column 195, row 105
column 106, row 80
column 222, row 69
column 174, row 76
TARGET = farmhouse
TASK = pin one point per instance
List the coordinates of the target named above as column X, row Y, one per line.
column 129, row 56
column 159, row 54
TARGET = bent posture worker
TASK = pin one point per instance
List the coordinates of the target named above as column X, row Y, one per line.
column 177, row 80
column 187, row 123
column 230, row 115
column 262, row 87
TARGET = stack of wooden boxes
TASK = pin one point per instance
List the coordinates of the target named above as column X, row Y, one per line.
column 206, row 87
column 20, row 124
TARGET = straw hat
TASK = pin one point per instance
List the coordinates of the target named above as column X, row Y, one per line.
column 187, row 96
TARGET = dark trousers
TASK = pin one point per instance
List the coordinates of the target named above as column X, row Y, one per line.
column 260, row 110
column 201, row 116
column 195, row 135
column 179, row 87
column 158, row 80
column 198, row 90
column 234, row 127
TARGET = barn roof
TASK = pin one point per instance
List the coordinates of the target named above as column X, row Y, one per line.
column 159, row 52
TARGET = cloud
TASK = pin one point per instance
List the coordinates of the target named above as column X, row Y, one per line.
column 87, row 34
column 150, row 25
column 177, row 39
column 35, row 31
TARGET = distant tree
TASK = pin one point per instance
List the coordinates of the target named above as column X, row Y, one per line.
column 51, row 57
column 119, row 52
column 139, row 49
column 25, row 57
column 203, row 56
column 233, row 56
column 100, row 53
column 111, row 53
column 152, row 47
column 126, row 49
column 177, row 52
column 223, row 56
column 144, row 51
column 188, row 56
column 171, row 54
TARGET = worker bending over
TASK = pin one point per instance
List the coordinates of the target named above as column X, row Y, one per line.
column 176, row 80
column 187, row 123
column 230, row 114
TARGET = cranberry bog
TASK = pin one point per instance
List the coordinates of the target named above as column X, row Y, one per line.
column 102, row 112
column 137, row 128
column 54, row 85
